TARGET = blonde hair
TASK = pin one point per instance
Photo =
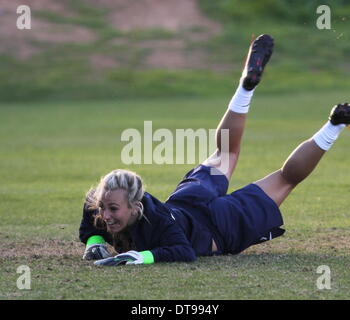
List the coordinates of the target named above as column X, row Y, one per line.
column 118, row 179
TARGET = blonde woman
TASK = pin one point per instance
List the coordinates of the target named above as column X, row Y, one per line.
column 199, row 218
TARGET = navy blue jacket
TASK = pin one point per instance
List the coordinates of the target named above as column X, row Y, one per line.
column 162, row 232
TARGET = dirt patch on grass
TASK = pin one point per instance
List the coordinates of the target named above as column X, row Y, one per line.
column 103, row 62
column 335, row 241
column 52, row 5
column 181, row 16
column 168, row 58
column 182, row 19
column 152, row 14
column 42, row 249
column 23, row 44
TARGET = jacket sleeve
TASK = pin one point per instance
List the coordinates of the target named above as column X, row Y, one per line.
column 87, row 228
column 173, row 246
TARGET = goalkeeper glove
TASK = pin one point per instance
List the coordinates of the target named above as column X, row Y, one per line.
column 96, row 249
column 130, row 257
column 96, row 252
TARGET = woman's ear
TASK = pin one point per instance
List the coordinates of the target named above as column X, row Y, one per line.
column 135, row 209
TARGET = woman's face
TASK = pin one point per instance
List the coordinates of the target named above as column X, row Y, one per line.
column 115, row 211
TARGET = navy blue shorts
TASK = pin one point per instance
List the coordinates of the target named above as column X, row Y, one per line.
column 242, row 218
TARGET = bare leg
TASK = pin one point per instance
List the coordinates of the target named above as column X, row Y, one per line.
column 234, row 123
column 297, row 167
column 304, row 159
column 228, row 146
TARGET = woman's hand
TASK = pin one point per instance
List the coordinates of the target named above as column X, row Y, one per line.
column 130, row 257
column 96, row 252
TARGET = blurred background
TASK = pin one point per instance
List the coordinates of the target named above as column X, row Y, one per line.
column 102, row 49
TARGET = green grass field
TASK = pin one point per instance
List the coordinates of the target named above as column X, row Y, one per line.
column 52, row 153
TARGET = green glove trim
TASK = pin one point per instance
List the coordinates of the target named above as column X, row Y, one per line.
column 147, row 257
column 95, row 240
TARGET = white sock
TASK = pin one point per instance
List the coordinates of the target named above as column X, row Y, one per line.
column 327, row 135
column 241, row 100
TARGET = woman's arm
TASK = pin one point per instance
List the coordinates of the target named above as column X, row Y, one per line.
column 173, row 246
column 163, row 242
column 87, row 228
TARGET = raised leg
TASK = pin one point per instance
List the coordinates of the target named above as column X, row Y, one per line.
column 304, row 159
column 228, row 139
column 296, row 168
column 231, row 127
